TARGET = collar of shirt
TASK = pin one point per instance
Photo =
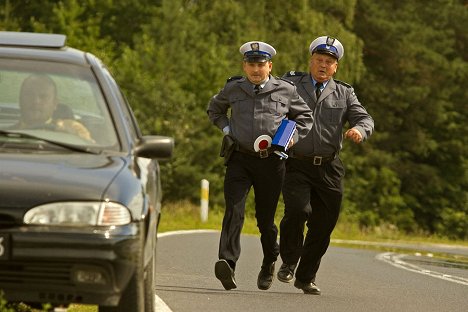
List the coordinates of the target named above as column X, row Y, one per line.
column 324, row 84
column 262, row 85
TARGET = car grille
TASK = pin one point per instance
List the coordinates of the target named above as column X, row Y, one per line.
column 35, row 273
column 40, row 281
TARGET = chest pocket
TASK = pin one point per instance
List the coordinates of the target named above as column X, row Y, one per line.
column 240, row 103
column 278, row 105
column 333, row 111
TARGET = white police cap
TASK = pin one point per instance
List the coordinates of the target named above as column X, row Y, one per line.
column 327, row 45
column 257, row 51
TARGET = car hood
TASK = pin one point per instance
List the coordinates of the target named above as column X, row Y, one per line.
column 28, row 180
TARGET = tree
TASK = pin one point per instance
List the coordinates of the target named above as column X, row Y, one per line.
column 192, row 50
column 406, row 60
column 411, row 79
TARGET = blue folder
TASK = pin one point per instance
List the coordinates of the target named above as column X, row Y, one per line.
column 283, row 136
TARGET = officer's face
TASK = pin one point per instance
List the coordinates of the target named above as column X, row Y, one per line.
column 257, row 72
column 322, row 66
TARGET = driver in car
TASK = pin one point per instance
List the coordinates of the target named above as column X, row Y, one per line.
column 39, row 108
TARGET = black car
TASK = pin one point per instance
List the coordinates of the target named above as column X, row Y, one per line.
column 80, row 191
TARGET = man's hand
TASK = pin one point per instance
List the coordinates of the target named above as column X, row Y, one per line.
column 291, row 143
column 354, row 135
column 74, row 127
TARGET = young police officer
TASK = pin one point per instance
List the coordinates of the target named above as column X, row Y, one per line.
column 313, row 187
column 257, row 103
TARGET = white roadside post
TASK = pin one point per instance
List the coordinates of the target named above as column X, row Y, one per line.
column 205, row 187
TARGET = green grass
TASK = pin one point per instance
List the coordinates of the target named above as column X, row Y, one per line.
column 82, row 308
column 186, row 216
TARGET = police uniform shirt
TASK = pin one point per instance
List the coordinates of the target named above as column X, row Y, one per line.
column 252, row 115
column 338, row 104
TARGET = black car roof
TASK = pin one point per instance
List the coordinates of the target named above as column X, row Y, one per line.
column 39, row 46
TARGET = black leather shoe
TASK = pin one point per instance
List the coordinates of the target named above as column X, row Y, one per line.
column 286, row 273
column 265, row 277
column 225, row 274
column 307, row 288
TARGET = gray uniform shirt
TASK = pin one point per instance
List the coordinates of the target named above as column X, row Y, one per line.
column 337, row 105
column 252, row 115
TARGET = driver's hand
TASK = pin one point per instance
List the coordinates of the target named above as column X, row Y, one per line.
column 74, row 127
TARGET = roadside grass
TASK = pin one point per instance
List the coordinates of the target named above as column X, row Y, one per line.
column 82, row 308
column 186, row 216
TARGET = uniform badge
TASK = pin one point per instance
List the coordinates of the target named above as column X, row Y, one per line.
column 255, row 46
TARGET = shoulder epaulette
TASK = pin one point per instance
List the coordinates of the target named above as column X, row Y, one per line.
column 234, row 78
column 343, row 83
column 293, row 73
column 287, row 80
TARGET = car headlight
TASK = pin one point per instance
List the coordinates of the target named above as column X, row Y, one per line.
column 79, row 214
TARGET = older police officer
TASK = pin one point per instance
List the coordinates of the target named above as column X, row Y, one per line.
column 257, row 103
column 313, row 188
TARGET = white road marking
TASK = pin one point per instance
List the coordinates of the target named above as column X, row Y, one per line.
column 161, row 306
column 396, row 260
column 185, row 232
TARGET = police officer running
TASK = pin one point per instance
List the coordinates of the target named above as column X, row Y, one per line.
column 313, row 188
column 257, row 103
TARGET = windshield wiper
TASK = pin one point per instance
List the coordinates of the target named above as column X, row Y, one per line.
column 72, row 147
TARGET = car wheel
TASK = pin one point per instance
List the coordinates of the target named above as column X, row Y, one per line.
column 133, row 297
column 149, row 286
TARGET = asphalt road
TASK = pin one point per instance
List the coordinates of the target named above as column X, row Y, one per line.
column 350, row 279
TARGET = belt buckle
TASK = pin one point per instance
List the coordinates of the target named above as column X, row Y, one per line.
column 317, row 160
column 263, row 153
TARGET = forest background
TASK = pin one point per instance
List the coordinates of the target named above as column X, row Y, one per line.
column 407, row 61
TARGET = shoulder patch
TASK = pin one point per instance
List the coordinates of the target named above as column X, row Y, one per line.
column 287, row 80
column 234, row 78
column 343, row 83
column 293, row 73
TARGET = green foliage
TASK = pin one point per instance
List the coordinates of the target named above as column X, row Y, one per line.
column 413, row 57
column 406, row 60
column 5, row 306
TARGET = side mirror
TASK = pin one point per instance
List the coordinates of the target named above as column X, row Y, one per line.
column 155, row 146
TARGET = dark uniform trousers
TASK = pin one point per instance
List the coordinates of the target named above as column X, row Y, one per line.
column 266, row 176
column 312, row 195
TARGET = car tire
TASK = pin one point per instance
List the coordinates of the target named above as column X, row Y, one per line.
column 150, row 300
column 133, row 297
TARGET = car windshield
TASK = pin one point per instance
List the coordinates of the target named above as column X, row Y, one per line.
column 55, row 101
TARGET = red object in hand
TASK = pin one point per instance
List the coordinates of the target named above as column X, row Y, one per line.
column 263, row 144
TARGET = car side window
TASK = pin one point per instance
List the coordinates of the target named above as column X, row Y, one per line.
column 127, row 113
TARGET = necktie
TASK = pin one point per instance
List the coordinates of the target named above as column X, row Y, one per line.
column 257, row 89
column 318, row 89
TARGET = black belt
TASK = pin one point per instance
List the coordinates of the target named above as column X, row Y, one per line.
column 260, row 154
column 315, row 159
